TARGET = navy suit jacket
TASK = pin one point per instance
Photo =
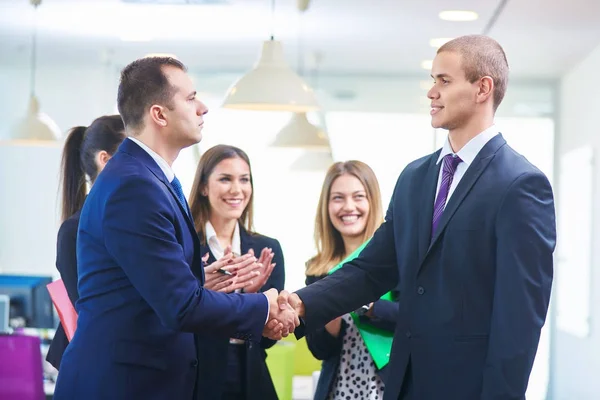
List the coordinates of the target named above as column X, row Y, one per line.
column 473, row 298
column 213, row 351
column 140, row 303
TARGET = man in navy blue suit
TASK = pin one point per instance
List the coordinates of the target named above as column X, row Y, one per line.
column 468, row 241
column 139, row 258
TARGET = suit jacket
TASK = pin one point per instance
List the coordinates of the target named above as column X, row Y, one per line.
column 140, row 303
column 212, row 372
column 473, row 298
column 66, row 263
column 328, row 348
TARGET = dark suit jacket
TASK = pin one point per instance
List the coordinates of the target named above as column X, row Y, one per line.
column 213, row 351
column 474, row 298
column 66, row 263
column 140, row 302
column 328, row 348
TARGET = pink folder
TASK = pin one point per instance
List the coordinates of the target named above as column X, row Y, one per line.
column 64, row 307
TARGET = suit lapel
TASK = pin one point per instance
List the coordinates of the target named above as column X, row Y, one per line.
column 480, row 163
column 130, row 147
column 246, row 241
column 426, row 200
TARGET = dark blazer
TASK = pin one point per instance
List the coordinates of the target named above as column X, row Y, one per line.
column 139, row 300
column 473, row 298
column 66, row 263
column 328, row 348
column 213, row 351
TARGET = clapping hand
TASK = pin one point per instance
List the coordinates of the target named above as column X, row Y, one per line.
column 264, row 270
column 241, row 269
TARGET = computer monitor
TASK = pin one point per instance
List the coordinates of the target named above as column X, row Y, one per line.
column 30, row 303
column 4, row 313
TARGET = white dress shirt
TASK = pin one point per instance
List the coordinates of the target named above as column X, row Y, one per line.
column 213, row 242
column 467, row 154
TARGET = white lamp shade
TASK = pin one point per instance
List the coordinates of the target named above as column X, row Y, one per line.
column 299, row 132
column 36, row 125
column 272, row 85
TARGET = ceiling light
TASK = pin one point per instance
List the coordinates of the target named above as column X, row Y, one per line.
column 458, row 15
column 299, row 132
column 35, row 125
column 439, row 42
column 427, row 64
column 272, row 85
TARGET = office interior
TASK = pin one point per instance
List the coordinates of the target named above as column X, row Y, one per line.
column 368, row 64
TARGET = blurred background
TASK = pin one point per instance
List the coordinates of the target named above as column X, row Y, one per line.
column 368, row 64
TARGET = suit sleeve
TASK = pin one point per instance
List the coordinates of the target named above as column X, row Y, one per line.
column 277, row 281
column 361, row 281
column 66, row 257
column 322, row 344
column 526, row 237
column 384, row 315
column 139, row 232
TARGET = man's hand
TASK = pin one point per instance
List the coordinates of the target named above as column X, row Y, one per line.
column 292, row 300
column 282, row 318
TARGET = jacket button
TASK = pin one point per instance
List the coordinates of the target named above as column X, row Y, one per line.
column 420, row 290
column 194, row 363
column 408, row 335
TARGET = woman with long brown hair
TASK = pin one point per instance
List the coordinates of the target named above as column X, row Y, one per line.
column 86, row 152
column 348, row 213
column 221, row 203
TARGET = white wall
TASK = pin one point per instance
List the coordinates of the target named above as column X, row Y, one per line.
column 577, row 359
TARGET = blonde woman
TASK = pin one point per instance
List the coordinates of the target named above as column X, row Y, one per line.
column 348, row 214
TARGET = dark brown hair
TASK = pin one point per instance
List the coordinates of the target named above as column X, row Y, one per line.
column 144, row 83
column 79, row 158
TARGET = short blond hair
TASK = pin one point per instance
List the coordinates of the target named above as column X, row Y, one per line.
column 481, row 56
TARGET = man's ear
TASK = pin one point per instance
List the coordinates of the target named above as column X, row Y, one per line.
column 157, row 115
column 486, row 89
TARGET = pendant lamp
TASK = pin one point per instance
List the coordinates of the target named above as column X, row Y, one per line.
column 35, row 125
column 272, row 85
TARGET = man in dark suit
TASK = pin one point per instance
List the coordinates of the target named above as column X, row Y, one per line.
column 137, row 252
column 468, row 242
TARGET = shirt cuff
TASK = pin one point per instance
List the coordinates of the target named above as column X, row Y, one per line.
column 268, row 308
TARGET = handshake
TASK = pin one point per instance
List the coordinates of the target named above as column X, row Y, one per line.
column 285, row 310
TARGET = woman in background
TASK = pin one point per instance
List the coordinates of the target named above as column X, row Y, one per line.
column 348, row 214
column 221, row 203
column 86, row 152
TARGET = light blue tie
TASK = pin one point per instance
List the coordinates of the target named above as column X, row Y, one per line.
column 179, row 192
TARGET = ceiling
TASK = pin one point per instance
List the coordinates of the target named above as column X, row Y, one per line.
column 542, row 38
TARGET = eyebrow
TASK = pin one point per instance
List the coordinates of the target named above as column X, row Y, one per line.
column 439, row 76
column 355, row 192
column 226, row 174
column 193, row 94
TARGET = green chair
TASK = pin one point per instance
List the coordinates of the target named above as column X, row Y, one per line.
column 280, row 361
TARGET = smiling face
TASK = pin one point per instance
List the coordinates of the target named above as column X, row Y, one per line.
column 229, row 188
column 348, row 206
column 453, row 97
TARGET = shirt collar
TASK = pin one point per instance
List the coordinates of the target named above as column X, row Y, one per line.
column 164, row 166
column 213, row 241
column 469, row 151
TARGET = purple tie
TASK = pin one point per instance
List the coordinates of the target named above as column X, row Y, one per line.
column 451, row 161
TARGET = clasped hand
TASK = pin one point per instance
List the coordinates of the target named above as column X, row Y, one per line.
column 283, row 314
